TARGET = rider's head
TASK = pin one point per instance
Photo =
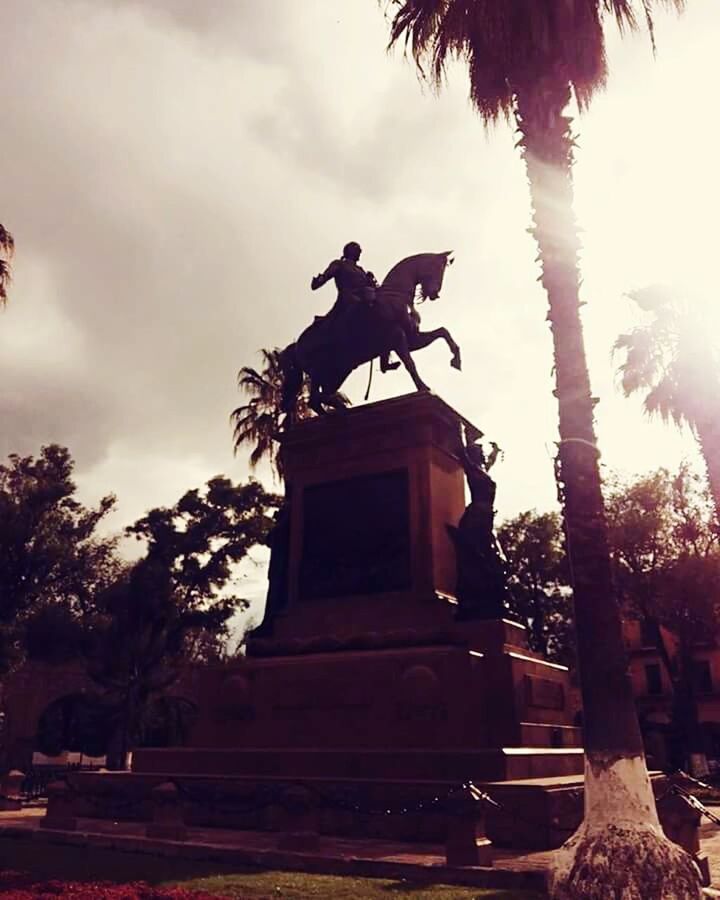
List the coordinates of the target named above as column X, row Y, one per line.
column 352, row 251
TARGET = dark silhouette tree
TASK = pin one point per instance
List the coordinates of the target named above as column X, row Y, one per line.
column 173, row 606
column 51, row 557
column 539, row 582
column 527, row 59
column 666, row 560
column 673, row 360
column 7, row 248
column 259, row 421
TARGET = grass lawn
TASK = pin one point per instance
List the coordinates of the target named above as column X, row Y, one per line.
column 53, row 861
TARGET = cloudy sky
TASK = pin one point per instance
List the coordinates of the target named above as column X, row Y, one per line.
column 175, row 171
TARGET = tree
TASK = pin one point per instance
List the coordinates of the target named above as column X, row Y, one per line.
column 172, row 607
column 672, row 360
column 528, row 59
column 7, row 247
column 258, row 422
column 667, row 567
column 538, row 582
column 51, row 556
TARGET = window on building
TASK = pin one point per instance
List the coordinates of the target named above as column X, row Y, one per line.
column 653, row 679
column 702, row 677
column 647, row 634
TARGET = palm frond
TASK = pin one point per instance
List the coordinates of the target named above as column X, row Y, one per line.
column 670, row 358
column 258, row 421
column 7, row 242
column 664, row 399
column 7, row 248
column 642, row 361
column 5, row 278
column 652, row 298
column 509, row 47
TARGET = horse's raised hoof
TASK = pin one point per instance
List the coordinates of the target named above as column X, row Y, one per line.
column 456, row 362
column 389, row 367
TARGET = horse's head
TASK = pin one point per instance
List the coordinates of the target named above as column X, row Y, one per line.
column 424, row 269
column 431, row 272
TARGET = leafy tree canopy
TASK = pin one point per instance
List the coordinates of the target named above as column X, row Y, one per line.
column 538, row 581
column 136, row 625
column 172, row 606
column 50, row 553
column 665, row 554
column 665, row 550
column 197, row 541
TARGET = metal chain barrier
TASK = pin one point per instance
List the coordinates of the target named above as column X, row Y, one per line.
column 280, row 795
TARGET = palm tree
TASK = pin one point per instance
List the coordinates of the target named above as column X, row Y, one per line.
column 672, row 359
column 7, row 246
column 528, row 58
column 258, row 422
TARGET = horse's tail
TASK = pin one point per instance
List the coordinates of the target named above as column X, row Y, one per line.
column 292, row 380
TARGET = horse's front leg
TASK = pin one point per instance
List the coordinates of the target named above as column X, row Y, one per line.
column 421, row 339
column 385, row 363
column 401, row 347
column 315, row 401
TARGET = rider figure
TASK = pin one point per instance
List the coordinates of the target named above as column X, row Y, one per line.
column 354, row 284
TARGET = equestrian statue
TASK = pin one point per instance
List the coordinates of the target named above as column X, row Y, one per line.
column 368, row 320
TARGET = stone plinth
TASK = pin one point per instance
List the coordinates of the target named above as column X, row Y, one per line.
column 372, row 490
column 368, row 690
column 60, row 808
column 11, row 790
column 168, row 822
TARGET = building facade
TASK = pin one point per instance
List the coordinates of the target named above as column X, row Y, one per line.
column 654, row 694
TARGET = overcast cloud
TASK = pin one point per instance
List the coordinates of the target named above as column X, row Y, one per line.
column 175, row 171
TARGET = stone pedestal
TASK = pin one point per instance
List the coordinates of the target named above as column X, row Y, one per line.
column 299, row 824
column 167, row 822
column 60, row 808
column 11, row 790
column 372, row 490
column 368, row 689
column 465, row 824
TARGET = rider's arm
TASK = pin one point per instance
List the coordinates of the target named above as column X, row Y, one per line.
column 319, row 280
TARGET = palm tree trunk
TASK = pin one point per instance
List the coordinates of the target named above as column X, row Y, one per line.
column 620, row 817
column 708, row 433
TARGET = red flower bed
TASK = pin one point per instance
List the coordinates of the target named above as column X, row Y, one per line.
column 16, row 886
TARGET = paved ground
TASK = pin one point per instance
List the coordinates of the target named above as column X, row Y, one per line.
column 710, row 844
column 334, row 856
column 415, row 862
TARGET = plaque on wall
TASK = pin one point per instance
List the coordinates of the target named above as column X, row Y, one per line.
column 543, row 693
column 356, row 536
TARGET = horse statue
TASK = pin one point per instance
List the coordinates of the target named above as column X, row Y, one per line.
column 328, row 351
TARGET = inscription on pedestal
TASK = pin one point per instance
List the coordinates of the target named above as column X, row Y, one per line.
column 421, row 712
column 543, row 693
column 356, row 536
